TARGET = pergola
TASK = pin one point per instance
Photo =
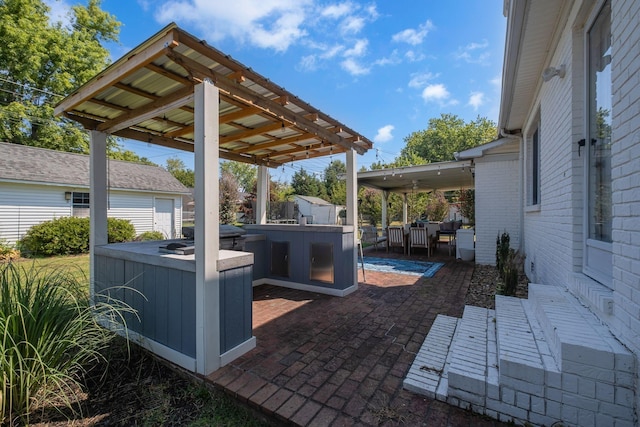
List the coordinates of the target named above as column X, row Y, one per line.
column 177, row 91
column 443, row 176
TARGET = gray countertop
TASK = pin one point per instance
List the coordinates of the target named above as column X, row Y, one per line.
column 148, row 252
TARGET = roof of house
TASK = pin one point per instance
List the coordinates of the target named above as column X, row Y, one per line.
column 313, row 200
column 498, row 146
column 40, row 165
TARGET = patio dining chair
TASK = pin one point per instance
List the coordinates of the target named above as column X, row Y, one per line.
column 395, row 238
column 418, row 238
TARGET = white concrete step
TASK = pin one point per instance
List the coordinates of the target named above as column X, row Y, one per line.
column 580, row 343
column 428, row 373
column 523, row 353
column 473, row 372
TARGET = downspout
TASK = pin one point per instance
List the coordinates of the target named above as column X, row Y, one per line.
column 504, row 134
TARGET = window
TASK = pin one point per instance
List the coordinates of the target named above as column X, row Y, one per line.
column 533, row 166
column 80, row 204
column 598, row 212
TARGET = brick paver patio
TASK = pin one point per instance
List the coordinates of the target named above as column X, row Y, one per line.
column 323, row 360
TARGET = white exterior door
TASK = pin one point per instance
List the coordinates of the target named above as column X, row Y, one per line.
column 163, row 219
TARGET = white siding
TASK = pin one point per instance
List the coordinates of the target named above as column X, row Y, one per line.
column 136, row 207
column 23, row 206
column 498, row 201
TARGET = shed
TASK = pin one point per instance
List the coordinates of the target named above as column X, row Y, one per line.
column 37, row 185
column 318, row 211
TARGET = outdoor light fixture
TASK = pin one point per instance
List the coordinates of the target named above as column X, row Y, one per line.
column 551, row 72
column 67, row 195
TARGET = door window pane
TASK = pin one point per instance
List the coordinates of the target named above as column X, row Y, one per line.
column 600, row 127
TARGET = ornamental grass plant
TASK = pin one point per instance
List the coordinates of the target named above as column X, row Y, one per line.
column 49, row 337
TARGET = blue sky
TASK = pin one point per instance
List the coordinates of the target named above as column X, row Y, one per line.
column 383, row 68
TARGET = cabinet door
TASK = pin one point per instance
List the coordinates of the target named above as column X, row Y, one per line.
column 280, row 259
column 321, row 262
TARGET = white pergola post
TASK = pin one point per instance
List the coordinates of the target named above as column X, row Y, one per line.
column 405, row 210
column 98, row 201
column 207, row 233
column 385, row 209
column 352, row 206
column 263, row 195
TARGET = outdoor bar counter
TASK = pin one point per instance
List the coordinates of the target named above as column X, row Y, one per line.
column 311, row 257
column 161, row 287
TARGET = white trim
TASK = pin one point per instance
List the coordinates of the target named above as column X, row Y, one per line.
column 305, row 287
column 207, row 233
column 155, row 347
column 237, row 351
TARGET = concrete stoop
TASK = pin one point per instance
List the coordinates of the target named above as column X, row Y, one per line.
column 542, row 360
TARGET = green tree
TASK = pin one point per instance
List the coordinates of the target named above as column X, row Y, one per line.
column 40, row 62
column 177, row 168
column 443, row 137
column 437, row 207
column 228, row 198
column 335, row 187
column 246, row 175
column 306, row 184
column 370, row 205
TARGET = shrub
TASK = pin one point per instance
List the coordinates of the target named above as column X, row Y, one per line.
column 150, row 235
column 502, row 250
column 7, row 251
column 507, row 266
column 48, row 335
column 120, row 230
column 70, row 236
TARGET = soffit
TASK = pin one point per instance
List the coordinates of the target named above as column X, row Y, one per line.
column 532, row 30
column 443, row 176
column 148, row 95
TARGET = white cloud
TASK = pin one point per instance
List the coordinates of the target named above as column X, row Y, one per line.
column 413, row 36
column 352, row 25
column 354, row 68
column 384, row 134
column 274, row 24
column 308, row 63
column 358, row 49
column 438, row 93
column 496, row 82
column 414, row 56
column 337, row 11
column 476, row 99
column 419, row 80
column 474, row 53
column 391, row 60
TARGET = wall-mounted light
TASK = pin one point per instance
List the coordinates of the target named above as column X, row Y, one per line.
column 67, row 195
column 551, row 72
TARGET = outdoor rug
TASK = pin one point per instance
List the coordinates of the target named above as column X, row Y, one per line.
column 414, row 268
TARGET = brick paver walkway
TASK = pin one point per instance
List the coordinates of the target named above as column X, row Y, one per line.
column 323, row 360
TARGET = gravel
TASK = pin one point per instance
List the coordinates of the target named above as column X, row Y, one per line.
column 482, row 289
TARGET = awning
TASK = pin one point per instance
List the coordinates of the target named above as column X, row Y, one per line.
column 148, row 96
column 442, row 176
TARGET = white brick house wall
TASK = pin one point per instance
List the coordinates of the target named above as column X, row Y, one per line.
column 625, row 165
column 498, row 202
column 553, row 230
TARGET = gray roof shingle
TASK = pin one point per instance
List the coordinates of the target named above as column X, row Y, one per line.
column 32, row 164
